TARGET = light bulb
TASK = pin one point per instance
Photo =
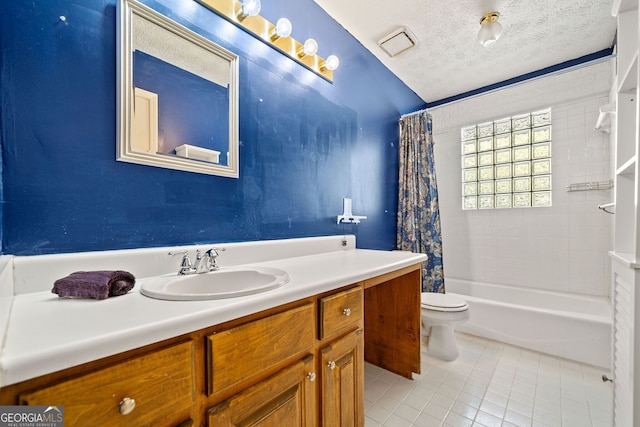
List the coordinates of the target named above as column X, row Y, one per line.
column 283, row 28
column 250, row 8
column 332, row 62
column 489, row 33
column 490, row 29
column 310, row 47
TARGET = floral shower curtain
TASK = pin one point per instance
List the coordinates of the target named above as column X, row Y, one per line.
column 418, row 221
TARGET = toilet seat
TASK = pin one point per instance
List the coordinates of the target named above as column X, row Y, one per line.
column 442, row 302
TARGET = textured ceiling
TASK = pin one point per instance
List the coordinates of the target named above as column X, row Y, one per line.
column 448, row 59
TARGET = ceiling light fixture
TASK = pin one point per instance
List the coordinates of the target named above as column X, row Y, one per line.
column 490, row 29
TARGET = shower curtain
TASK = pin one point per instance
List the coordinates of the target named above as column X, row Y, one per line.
column 418, row 223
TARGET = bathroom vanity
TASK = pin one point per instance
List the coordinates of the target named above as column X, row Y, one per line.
column 290, row 356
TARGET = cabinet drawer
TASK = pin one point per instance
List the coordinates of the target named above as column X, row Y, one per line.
column 240, row 353
column 340, row 311
column 161, row 384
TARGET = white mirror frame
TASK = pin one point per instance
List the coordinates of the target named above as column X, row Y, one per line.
column 124, row 82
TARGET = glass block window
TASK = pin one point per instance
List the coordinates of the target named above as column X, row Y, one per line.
column 507, row 163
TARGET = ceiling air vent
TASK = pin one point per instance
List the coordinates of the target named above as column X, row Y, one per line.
column 398, row 41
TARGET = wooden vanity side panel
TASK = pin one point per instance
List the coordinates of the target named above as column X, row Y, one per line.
column 241, row 353
column 392, row 324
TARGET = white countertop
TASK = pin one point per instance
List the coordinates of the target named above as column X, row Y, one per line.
column 46, row 333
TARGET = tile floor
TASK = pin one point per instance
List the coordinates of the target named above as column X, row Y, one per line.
column 490, row 384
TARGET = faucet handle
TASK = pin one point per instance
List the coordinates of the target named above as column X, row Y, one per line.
column 213, row 252
column 185, row 265
column 212, row 256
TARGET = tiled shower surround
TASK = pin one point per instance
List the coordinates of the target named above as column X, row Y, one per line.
column 562, row 247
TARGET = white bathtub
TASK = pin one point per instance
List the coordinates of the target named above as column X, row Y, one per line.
column 572, row 326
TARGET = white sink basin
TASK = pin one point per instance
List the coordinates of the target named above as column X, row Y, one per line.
column 228, row 282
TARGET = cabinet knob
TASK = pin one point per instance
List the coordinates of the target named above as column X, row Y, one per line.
column 311, row 376
column 346, row 312
column 331, row 365
column 127, row 405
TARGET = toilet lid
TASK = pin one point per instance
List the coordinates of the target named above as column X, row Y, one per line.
column 442, row 302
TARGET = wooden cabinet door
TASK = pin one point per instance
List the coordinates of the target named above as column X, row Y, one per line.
column 287, row 398
column 342, row 371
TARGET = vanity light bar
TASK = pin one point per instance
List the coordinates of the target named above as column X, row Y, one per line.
column 264, row 30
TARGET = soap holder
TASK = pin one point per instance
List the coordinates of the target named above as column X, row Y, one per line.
column 347, row 217
column 350, row 219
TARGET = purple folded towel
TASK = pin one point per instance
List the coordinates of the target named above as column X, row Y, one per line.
column 94, row 284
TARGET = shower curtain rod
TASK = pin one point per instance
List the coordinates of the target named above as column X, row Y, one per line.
column 424, row 110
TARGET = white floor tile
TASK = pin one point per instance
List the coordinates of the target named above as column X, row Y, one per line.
column 469, row 399
column 497, row 398
column 464, row 410
column 493, row 409
column 435, row 410
column 378, row 414
column 550, row 416
column 517, row 419
column 442, row 400
column 416, row 401
column 456, row 420
column 426, row 420
column 490, row 384
column 488, row 420
column 520, row 407
column 407, row 412
column 396, row 421
column 368, row 422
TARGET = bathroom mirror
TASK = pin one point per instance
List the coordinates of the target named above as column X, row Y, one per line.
column 177, row 95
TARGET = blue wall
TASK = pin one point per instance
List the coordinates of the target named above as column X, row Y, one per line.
column 305, row 143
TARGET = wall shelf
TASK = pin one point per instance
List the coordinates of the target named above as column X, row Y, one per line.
column 629, row 80
column 628, row 167
column 625, row 258
column 619, row 6
column 590, row 186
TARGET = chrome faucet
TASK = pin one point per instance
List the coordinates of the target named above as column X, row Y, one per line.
column 208, row 262
column 185, row 265
column 203, row 263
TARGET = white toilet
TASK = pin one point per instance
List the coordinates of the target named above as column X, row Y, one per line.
column 439, row 313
